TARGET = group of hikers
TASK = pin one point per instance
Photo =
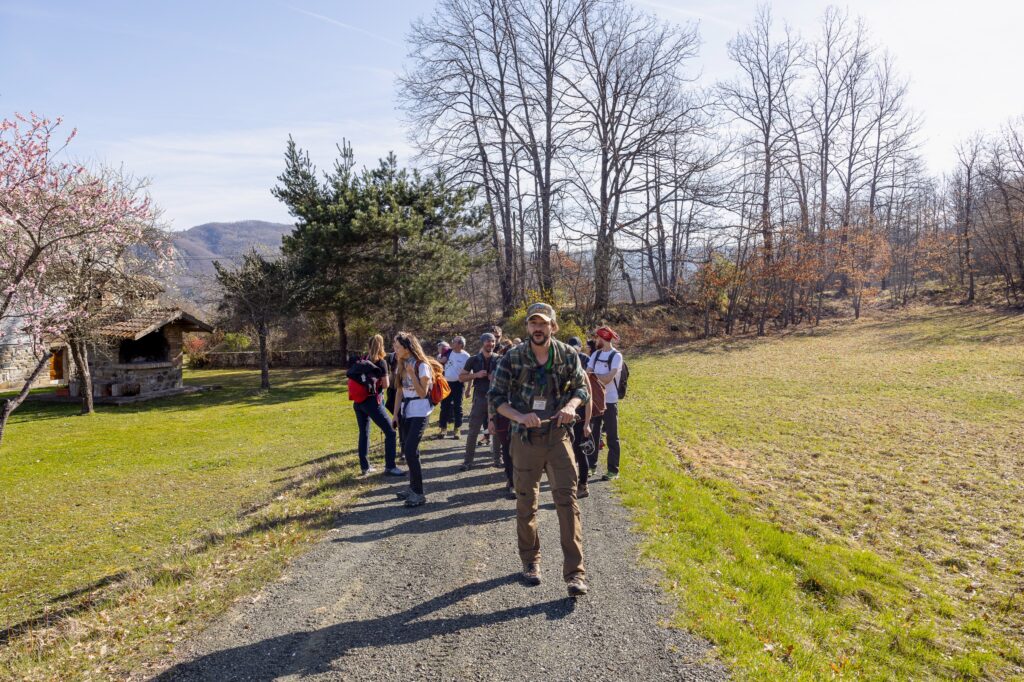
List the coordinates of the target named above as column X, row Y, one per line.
column 539, row 405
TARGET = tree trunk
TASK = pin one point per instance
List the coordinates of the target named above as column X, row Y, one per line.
column 339, row 315
column 262, row 332
column 9, row 405
column 80, row 353
column 629, row 280
column 602, row 273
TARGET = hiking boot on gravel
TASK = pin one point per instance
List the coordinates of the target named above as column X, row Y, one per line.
column 577, row 587
column 531, row 574
column 582, row 491
column 404, row 494
column 465, row 467
column 415, row 499
column 609, row 476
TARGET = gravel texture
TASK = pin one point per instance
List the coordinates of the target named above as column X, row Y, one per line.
column 433, row 593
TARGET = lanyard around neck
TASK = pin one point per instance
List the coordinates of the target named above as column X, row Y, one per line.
column 545, row 369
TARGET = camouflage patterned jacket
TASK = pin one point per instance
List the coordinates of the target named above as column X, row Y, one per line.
column 515, row 380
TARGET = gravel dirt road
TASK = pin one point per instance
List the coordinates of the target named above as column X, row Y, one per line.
column 433, row 593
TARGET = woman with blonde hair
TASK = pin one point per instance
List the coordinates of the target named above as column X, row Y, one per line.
column 377, row 378
column 416, row 373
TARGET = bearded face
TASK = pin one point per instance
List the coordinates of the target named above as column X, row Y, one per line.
column 540, row 330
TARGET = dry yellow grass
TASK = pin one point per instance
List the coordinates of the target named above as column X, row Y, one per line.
column 901, row 435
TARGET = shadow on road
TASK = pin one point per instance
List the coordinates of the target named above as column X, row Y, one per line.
column 312, row 652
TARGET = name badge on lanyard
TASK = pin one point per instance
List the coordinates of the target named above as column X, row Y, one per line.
column 544, row 375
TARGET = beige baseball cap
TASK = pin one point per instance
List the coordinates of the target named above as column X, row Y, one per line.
column 542, row 310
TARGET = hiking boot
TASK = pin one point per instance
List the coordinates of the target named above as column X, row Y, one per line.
column 404, row 494
column 510, row 493
column 465, row 467
column 577, row 587
column 582, row 491
column 531, row 574
column 394, row 471
column 609, row 476
column 415, row 499
column 454, row 435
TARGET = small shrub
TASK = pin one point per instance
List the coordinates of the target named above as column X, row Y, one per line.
column 196, row 349
column 235, row 342
column 568, row 327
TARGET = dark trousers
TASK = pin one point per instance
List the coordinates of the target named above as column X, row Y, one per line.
column 372, row 410
column 412, row 432
column 596, row 424
column 611, row 436
column 477, row 422
column 501, row 443
column 581, row 460
column 451, row 407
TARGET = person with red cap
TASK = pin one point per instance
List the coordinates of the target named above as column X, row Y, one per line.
column 606, row 364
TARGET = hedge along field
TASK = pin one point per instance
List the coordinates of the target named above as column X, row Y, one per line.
column 124, row 531
column 840, row 501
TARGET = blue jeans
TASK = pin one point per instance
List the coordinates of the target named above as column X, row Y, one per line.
column 371, row 409
column 412, row 432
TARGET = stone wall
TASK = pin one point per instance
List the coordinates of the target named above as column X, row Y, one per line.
column 16, row 364
column 286, row 358
column 111, row 378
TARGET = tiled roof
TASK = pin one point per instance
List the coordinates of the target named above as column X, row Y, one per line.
column 152, row 320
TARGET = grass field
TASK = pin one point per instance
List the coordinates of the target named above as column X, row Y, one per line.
column 844, row 501
column 122, row 532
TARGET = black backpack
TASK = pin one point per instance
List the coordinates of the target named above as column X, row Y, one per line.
column 366, row 373
column 623, row 383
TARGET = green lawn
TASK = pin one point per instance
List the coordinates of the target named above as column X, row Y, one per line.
column 839, row 502
column 845, row 500
column 151, row 516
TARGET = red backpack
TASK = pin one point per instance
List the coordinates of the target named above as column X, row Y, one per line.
column 360, row 385
column 357, row 391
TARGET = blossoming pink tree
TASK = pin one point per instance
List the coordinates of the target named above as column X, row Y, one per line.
column 53, row 213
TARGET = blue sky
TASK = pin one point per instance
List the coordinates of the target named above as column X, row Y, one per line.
column 201, row 96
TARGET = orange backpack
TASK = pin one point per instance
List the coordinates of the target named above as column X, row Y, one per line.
column 439, row 387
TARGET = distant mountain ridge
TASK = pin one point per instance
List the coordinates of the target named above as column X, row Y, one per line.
column 197, row 247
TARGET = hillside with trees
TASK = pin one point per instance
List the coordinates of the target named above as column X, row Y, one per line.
column 608, row 173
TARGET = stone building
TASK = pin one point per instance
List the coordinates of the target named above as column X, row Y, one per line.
column 136, row 359
column 142, row 356
column 18, row 358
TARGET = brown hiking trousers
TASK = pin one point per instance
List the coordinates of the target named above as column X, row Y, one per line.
column 551, row 452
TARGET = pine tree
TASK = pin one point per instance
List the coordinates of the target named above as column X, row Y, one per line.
column 387, row 244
